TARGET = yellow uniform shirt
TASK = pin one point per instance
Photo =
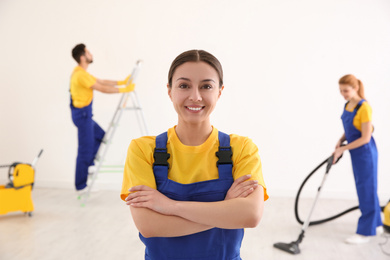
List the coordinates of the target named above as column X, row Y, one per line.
column 189, row 164
column 363, row 115
column 80, row 87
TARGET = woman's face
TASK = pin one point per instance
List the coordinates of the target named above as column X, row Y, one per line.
column 347, row 91
column 194, row 91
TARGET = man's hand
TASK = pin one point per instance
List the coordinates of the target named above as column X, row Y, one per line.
column 128, row 88
column 124, row 82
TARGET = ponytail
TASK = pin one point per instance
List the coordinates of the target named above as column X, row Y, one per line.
column 361, row 89
column 355, row 83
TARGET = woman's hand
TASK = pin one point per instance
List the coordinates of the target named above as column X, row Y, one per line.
column 340, row 141
column 241, row 188
column 337, row 153
column 145, row 197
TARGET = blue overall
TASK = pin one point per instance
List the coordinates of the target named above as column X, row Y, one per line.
column 365, row 169
column 90, row 135
column 213, row 244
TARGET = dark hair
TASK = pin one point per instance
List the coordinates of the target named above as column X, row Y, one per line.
column 355, row 83
column 196, row 56
column 78, row 51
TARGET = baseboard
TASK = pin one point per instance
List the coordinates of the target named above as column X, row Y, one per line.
column 113, row 182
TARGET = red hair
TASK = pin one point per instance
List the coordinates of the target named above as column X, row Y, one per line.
column 355, row 83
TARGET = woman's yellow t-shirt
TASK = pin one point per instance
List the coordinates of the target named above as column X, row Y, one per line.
column 189, row 164
column 363, row 115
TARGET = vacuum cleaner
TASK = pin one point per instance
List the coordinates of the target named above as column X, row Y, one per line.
column 386, row 228
column 293, row 247
column 386, row 221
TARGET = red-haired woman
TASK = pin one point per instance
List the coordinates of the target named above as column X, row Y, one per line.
column 358, row 128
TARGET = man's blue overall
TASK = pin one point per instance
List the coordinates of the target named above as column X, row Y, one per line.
column 90, row 135
column 365, row 170
column 213, row 244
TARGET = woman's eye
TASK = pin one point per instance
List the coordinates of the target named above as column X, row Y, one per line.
column 183, row 86
column 207, row 86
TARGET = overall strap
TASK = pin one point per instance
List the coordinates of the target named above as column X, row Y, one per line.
column 161, row 156
column 357, row 106
column 224, row 154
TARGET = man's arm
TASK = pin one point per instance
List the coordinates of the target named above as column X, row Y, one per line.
column 110, row 88
column 107, row 82
column 105, row 88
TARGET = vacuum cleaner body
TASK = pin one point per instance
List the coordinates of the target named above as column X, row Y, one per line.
column 386, row 221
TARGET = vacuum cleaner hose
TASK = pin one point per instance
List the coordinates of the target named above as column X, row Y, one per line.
column 311, row 223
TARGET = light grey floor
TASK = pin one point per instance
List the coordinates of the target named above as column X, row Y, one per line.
column 61, row 229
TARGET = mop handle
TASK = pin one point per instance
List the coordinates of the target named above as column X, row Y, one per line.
column 36, row 158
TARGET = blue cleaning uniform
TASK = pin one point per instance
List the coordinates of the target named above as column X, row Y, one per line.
column 90, row 135
column 365, row 170
column 213, row 244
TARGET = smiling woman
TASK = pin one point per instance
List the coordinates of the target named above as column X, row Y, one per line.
column 193, row 189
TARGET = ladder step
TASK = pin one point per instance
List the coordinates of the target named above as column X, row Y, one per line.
column 105, row 142
column 131, row 108
column 108, row 171
column 111, row 168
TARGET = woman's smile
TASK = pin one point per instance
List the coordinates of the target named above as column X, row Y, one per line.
column 195, row 108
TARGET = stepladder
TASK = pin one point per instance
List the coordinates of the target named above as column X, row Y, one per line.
column 128, row 102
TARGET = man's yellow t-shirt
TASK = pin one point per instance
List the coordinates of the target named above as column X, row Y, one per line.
column 80, row 87
column 189, row 164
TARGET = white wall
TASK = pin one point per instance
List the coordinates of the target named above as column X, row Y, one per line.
column 282, row 61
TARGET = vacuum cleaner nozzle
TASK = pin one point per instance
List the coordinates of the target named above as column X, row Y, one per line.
column 293, row 247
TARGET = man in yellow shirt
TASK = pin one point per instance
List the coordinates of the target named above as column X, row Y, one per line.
column 90, row 134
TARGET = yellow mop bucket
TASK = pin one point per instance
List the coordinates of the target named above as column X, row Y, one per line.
column 16, row 195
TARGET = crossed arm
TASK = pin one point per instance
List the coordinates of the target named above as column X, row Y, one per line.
column 155, row 215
